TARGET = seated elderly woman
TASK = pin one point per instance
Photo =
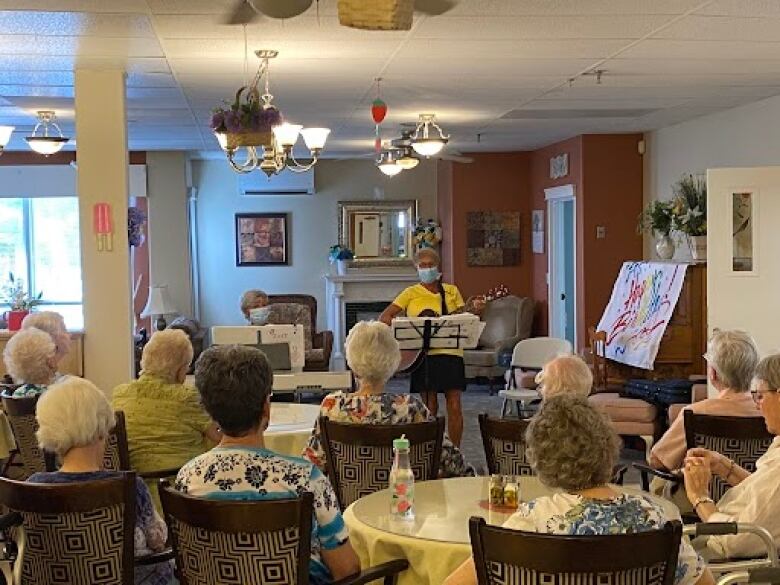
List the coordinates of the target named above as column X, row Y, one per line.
column 31, row 359
column 373, row 356
column 252, row 299
column 74, row 419
column 731, row 359
column 235, row 386
column 566, row 374
column 755, row 497
column 52, row 323
column 166, row 424
column 572, row 447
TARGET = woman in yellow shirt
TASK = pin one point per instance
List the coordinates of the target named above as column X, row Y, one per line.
column 443, row 369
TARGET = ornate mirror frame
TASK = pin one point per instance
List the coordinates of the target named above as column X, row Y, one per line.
column 348, row 208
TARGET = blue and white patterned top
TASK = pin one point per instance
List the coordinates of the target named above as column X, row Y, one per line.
column 28, row 390
column 244, row 473
column 625, row 514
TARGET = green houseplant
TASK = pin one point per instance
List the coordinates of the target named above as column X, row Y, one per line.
column 658, row 219
column 690, row 213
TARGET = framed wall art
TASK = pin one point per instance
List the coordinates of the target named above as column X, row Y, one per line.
column 537, row 231
column 262, row 239
column 744, row 209
column 493, row 238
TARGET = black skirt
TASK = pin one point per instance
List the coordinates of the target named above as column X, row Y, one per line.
column 438, row 373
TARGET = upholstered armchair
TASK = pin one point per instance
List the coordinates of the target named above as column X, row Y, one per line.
column 507, row 321
column 318, row 352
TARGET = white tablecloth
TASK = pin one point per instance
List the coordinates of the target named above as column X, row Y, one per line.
column 290, row 427
column 437, row 541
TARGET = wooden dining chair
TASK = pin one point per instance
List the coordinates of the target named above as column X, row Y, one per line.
column 510, row 556
column 21, row 416
column 598, row 348
column 359, row 456
column 249, row 541
column 117, row 455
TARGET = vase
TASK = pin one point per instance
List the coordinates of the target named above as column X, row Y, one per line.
column 15, row 319
column 341, row 267
column 698, row 245
column 664, row 247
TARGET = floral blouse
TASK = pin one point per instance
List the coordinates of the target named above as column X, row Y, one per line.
column 28, row 390
column 386, row 409
column 625, row 514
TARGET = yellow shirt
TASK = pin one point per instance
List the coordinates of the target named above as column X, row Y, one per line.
column 416, row 299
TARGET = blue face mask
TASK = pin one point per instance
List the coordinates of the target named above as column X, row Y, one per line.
column 428, row 275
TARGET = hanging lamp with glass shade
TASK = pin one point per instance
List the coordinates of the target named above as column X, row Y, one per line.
column 388, row 164
column 43, row 140
column 425, row 141
column 407, row 160
column 5, row 136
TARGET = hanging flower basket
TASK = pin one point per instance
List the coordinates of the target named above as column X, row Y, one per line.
column 237, row 139
column 377, row 14
column 247, row 121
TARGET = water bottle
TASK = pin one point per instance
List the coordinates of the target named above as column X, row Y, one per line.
column 402, row 481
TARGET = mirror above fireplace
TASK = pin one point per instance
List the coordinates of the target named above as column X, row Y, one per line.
column 378, row 232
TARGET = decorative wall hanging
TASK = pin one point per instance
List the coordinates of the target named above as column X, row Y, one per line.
column 537, row 231
column 378, row 113
column 262, row 239
column 559, row 166
column 103, row 227
column 493, row 238
column 743, row 228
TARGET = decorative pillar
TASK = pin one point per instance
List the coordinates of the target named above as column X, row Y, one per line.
column 101, row 134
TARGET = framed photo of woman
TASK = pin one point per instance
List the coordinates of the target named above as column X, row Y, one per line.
column 262, row 239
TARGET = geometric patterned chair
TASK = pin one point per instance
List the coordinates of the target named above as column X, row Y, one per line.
column 73, row 533
column 117, row 455
column 503, row 556
column 21, row 417
column 359, row 456
column 248, row 541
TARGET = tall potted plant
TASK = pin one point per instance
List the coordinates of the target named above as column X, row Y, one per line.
column 20, row 302
column 690, row 213
column 658, row 218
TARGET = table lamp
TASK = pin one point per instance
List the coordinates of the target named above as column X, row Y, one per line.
column 159, row 304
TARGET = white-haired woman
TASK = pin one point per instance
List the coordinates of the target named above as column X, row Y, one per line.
column 443, row 370
column 572, row 448
column 166, row 424
column 74, row 419
column 373, row 356
column 566, row 374
column 31, row 360
column 52, row 323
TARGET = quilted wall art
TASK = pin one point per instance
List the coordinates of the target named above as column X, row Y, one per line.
column 493, row 238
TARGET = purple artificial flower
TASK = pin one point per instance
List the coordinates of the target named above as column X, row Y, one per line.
column 218, row 121
column 256, row 120
column 232, row 121
column 271, row 117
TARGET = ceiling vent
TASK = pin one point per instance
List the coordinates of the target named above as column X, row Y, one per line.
column 576, row 113
column 285, row 183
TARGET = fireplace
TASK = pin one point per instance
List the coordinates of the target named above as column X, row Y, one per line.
column 355, row 312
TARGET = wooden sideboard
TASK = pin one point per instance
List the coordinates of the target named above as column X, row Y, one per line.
column 72, row 364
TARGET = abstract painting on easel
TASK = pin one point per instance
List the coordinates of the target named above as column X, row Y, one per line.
column 742, row 259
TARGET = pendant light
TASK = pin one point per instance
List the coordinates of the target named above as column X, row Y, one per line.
column 425, row 142
column 388, row 164
column 5, row 136
column 45, row 143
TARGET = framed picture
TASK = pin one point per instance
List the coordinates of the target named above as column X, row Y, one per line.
column 262, row 239
column 493, row 238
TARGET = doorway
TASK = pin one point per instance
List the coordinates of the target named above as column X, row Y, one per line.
column 562, row 263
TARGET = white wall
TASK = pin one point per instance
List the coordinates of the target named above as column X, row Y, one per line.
column 314, row 229
column 738, row 301
column 746, row 136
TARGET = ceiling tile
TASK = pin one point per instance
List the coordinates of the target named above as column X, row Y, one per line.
column 95, row 6
column 705, row 50
column 24, row 45
column 754, row 8
column 722, row 28
column 21, row 22
column 510, row 51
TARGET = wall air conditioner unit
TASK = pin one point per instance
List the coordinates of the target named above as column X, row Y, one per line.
column 285, row 183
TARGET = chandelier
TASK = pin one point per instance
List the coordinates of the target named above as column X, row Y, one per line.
column 255, row 124
column 46, row 142
column 424, row 141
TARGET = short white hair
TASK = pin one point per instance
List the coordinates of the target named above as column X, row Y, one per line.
column 372, row 351
column 734, row 356
column 432, row 254
column 54, row 324
column 30, row 357
column 167, row 352
column 565, row 374
column 72, row 413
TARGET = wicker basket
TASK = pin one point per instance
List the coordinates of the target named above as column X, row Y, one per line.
column 236, row 139
column 377, row 14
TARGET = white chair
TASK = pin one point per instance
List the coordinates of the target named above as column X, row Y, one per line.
column 529, row 356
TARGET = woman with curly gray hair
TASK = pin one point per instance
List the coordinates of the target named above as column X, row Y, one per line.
column 572, row 448
column 31, row 360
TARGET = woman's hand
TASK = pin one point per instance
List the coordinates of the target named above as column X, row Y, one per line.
column 717, row 463
column 698, row 476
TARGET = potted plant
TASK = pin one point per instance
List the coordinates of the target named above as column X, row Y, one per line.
column 658, row 219
column 247, row 121
column 20, row 302
column 690, row 213
column 340, row 255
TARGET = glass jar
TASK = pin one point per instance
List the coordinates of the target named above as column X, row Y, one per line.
column 496, row 490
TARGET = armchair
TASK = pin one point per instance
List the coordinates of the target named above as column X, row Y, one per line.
column 507, row 321
column 318, row 355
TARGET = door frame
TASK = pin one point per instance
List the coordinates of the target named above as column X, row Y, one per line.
column 552, row 196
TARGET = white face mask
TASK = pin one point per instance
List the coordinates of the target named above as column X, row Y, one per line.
column 259, row 316
column 428, row 275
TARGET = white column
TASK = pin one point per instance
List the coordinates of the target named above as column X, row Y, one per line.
column 101, row 134
column 339, row 335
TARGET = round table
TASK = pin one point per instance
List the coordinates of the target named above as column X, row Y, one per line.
column 290, row 427
column 437, row 541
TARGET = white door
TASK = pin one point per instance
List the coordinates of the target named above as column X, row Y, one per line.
column 562, row 246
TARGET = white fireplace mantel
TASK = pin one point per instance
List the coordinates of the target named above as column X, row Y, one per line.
column 358, row 286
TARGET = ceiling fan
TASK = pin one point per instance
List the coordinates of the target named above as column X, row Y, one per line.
column 248, row 11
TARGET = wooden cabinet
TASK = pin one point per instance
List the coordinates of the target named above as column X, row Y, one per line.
column 72, row 364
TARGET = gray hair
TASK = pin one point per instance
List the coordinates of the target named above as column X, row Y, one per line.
column 566, row 374
column 250, row 299
column 430, row 253
column 30, row 357
column 734, row 357
column 167, row 352
column 372, row 351
column 571, row 445
column 768, row 370
column 54, row 324
column 235, row 384
column 72, row 413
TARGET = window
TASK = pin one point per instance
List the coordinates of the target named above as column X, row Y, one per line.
column 39, row 242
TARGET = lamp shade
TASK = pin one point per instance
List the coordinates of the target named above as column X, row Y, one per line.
column 428, row 146
column 159, row 302
column 5, row 135
column 315, row 137
column 46, row 145
column 287, row 134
